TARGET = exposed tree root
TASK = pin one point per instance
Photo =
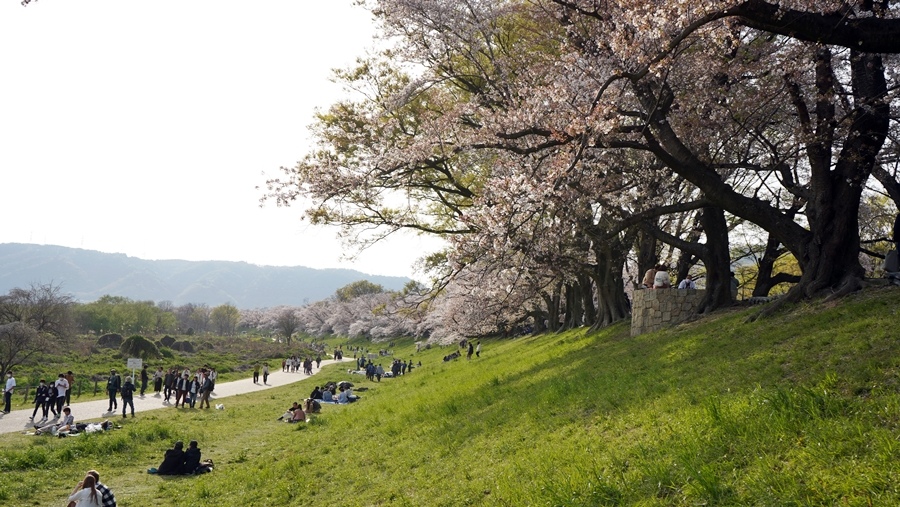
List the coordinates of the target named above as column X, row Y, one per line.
column 796, row 293
column 802, row 290
column 850, row 284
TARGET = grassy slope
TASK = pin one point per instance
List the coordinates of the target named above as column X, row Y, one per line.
column 801, row 409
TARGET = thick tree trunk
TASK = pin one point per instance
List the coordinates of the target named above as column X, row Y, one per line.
column 766, row 278
column 574, row 311
column 716, row 257
column 827, row 251
column 553, row 302
column 612, row 302
column 830, row 259
column 647, row 254
column 587, row 300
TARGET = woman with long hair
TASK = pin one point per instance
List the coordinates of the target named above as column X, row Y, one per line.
column 87, row 496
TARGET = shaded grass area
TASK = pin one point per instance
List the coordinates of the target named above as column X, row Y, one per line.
column 800, row 409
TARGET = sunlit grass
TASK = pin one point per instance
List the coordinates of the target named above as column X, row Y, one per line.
column 801, row 409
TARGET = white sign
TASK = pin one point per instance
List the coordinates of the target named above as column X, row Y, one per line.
column 135, row 363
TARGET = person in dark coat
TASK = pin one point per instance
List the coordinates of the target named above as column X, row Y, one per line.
column 173, row 460
column 191, row 458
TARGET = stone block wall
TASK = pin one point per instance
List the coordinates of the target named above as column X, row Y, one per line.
column 652, row 310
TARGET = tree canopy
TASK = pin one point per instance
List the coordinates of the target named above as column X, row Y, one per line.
column 562, row 146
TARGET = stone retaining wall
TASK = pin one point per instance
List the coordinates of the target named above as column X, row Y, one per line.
column 652, row 310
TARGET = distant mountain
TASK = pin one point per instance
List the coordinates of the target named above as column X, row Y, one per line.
column 88, row 275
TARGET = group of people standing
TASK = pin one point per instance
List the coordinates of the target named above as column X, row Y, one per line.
column 51, row 398
column 187, row 388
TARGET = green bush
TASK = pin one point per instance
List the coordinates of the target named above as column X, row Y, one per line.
column 138, row 346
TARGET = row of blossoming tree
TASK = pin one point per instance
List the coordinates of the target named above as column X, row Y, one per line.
column 562, row 147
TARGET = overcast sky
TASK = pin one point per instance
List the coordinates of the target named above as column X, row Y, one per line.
column 145, row 127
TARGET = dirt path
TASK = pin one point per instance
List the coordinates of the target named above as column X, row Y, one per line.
column 17, row 420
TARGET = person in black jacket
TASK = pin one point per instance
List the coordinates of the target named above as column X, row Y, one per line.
column 145, row 377
column 173, row 460
column 113, row 385
column 127, row 397
column 191, row 459
column 41, row 395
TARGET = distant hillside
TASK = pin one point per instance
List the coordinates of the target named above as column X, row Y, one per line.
column 88, row 275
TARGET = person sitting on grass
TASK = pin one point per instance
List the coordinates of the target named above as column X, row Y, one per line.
column 346, row 395
column 107, row 498
column 172, row 461
column 298, row 415
column 327, row 395
column 313, row 406
column 289, row 413
column 67, row 423
column 87, row 495
column 191, row 459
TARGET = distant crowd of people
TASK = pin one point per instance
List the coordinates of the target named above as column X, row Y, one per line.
column 376, row 372
column 294, row 363
column 186, row 388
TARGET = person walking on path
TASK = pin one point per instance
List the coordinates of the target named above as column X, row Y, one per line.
column 206, row 387
column 7, row 393
column 477, row 351
column 127, row 397
column 113, row 385
column 41, row 395
column 62, row 385
column 265, row 373
column 157, row 380
column 70, row 378
column 256, row 373
column 144, row 379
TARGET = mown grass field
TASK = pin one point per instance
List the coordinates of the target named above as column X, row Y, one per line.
column 799, row 409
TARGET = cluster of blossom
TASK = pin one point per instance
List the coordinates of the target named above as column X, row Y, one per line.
column 558, row 144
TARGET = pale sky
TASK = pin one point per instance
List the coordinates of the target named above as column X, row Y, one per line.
column 143, row 127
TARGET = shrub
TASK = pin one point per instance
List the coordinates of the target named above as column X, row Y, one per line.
column 110, row 341
column 138, row 346
column 183, row 346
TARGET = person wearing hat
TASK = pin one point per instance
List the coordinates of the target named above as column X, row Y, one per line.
column 113, row 385
column 127, row 397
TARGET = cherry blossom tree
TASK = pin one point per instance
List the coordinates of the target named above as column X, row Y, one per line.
column 673, row 80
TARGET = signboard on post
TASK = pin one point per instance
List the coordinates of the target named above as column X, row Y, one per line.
column 134, row 364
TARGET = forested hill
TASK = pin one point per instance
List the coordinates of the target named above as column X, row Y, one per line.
column 88, row 275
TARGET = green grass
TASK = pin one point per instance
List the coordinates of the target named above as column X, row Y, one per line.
column 799, row 409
